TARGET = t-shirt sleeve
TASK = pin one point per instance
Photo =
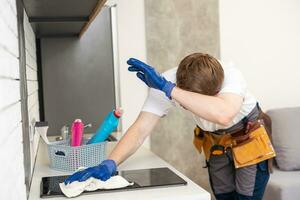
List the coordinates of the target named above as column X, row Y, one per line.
column 157, row 103
column 234, row 82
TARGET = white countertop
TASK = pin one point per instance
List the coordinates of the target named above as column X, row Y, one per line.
column 142, row 159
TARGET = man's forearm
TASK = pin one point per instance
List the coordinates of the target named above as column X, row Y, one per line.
column 128, row 144
column 211, row 108
column 134, row 137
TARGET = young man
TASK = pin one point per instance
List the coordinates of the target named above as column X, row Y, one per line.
column 217, row 97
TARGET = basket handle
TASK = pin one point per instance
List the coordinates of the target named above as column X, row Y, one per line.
column 60, row 153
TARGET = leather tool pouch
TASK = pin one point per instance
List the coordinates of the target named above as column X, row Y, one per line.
column 198, row 138
column 252, row 147
column 202, row 141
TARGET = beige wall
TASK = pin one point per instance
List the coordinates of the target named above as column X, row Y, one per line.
column 174, row 29
column 265, row 45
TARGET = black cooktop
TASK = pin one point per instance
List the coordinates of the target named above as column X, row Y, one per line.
column 142, row 178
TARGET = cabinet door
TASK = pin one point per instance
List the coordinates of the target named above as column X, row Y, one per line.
column 78, row 76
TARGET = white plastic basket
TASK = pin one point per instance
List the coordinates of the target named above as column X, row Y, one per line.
column 63, row 157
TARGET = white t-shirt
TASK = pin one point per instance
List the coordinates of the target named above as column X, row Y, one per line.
column 234, row 82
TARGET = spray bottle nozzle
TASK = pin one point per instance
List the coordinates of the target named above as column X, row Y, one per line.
column 118, row 112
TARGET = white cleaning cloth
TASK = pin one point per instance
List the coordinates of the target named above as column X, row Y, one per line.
column 76, row 188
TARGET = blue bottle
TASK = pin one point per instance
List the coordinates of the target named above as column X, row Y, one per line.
column 109, row 125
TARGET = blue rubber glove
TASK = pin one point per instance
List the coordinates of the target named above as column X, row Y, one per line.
column 103, row 172
column 148, row 74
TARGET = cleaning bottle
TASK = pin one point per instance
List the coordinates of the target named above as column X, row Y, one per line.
column 77, row 133
column 109, row 124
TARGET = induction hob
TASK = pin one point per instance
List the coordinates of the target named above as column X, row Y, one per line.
column 142, row 178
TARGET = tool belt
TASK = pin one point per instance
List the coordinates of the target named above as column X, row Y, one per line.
column 250, row 144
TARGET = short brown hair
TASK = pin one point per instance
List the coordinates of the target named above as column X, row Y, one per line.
column 200, row 73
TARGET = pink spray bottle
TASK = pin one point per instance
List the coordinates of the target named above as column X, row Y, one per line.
column 77, row 133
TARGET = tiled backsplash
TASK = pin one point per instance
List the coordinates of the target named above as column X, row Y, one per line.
column 32, row 86
column 11, row 146
column 11, row 140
